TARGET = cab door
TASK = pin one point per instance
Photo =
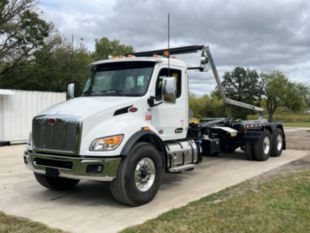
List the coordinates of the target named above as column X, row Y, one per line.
column 171, row 119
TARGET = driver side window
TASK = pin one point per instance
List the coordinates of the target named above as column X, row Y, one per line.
column 159, row 82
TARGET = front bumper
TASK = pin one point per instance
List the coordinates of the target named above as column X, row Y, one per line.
column 100, row 169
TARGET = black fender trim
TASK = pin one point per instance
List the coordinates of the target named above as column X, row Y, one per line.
column 253, row 135
column 145, row 136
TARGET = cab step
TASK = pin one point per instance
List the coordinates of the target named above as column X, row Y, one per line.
column 181, row 168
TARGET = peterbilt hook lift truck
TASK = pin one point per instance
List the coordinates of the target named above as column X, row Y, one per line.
column 131, row 124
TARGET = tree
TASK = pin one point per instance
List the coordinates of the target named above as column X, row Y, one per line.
column 305, row 93
column 207, row 106
column 280, row 92
column 105, row 47
column 243, row 85
column 21, row 32
column 54, row 65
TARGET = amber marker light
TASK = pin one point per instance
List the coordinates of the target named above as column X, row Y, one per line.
column 106, row 143
column 166, row 53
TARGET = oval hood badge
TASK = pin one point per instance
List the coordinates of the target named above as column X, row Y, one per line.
column 51, row 121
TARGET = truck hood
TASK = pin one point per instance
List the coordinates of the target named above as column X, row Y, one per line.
column 87, row 106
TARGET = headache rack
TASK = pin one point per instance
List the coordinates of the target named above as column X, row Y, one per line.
column 206, row 61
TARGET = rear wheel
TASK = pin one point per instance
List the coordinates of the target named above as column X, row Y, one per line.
column 277, row 143
column 139, row 176
column 262, row 147
column 55, row 183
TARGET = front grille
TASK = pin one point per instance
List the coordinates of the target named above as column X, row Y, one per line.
column 56, row 134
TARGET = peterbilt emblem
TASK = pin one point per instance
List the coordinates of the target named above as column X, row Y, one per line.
column 51, row 121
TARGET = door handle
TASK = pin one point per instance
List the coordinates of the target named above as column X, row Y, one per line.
column 178, row 130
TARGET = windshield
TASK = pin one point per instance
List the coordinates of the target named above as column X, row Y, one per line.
column 119, row 79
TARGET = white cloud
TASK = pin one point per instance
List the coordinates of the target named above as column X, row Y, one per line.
column 265, row 35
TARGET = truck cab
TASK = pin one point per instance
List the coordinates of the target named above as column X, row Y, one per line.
column 129, row 126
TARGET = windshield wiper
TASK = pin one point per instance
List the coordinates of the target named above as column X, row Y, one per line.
column 115, row 92
column 112, row 91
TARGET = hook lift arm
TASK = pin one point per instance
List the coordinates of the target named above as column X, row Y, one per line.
column 205, row 60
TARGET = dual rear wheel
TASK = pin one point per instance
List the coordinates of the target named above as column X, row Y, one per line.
column 267, row 145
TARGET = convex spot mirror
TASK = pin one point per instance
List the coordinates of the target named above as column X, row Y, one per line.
column 169, row 89
column 70, row 91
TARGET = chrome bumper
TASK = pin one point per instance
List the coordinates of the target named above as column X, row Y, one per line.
column 99, row 169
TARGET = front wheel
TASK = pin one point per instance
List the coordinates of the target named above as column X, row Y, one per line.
column 139, row 175
column 55, row 183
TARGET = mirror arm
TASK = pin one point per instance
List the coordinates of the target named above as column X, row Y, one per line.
column 158, row 104
column 151, row 102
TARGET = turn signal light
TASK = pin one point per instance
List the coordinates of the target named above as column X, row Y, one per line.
column 113, row 140
column 107, row 143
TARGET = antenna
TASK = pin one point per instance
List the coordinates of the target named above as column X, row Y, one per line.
column 168, row 44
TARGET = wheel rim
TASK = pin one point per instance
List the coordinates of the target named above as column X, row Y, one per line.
column 266, row 145
column 279, row 142
column 145, row 174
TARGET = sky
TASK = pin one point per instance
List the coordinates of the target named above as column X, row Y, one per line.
column 265, row 35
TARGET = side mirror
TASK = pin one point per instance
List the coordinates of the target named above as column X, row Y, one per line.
column 70, row 91
column 169, row 90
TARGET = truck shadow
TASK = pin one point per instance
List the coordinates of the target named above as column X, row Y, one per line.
column 171, row 180
column 94, row 194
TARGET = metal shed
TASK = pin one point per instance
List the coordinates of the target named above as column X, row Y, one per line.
column 17, row 109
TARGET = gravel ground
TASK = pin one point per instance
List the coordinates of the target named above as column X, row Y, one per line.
column 297, row 138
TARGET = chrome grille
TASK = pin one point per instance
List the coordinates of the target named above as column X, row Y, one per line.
column 56, row 134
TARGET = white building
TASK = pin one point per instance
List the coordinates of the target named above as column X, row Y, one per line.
column 17, row 109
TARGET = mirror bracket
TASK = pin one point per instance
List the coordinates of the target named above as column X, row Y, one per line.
column 151, row 101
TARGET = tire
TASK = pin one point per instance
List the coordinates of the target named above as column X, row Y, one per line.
column 277, row 143
column 136, row 168
column 55, row 183
column 262, row 147
column 248, row 149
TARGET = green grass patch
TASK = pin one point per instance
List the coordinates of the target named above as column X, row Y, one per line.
column 286, row 117
column 21, row 225
column 297, row 124
column 277, row 205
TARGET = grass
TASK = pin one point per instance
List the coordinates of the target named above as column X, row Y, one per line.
column 297, row 124
column 289, row 119
column 21, row 225
column 277, row 205
column 286, row 117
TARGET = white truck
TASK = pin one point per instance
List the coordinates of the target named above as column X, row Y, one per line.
column 131, row 124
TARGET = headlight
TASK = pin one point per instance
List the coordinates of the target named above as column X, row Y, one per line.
column 106, row 143
column 30, row 139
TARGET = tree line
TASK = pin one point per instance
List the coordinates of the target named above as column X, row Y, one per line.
column 272, row 91
column 34, row 56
